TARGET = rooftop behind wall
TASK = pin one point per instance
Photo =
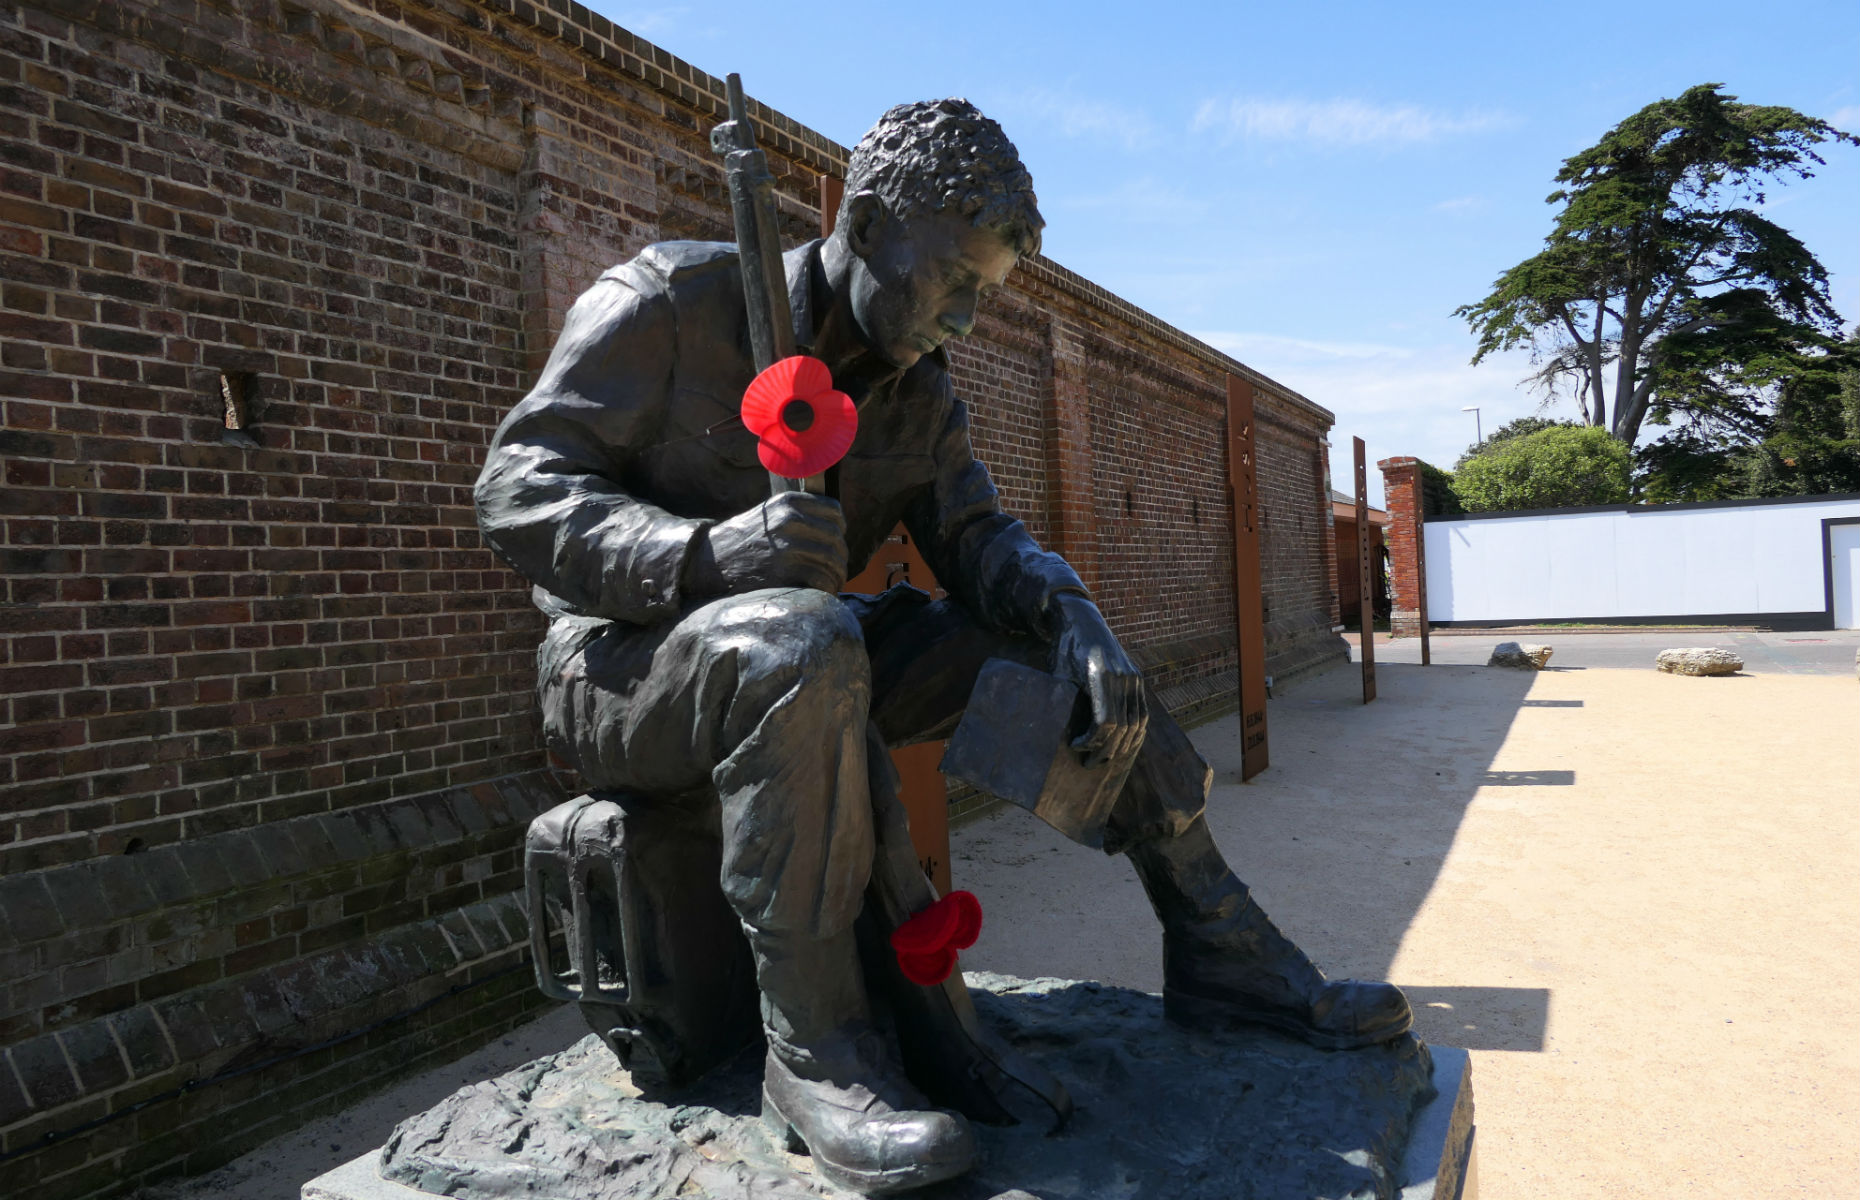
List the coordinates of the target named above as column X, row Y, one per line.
column 267, row 739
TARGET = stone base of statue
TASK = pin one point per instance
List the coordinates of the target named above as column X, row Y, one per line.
column 1160, row 1113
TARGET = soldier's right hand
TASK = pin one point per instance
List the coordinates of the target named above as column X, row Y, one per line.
column 795, row 539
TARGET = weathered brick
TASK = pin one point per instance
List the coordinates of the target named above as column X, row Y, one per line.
column 13, row 1104
column 192, row 1030
column 27, row 911
column 141, row 1036
column 81, row 903
column 94, row 1056
column 282, row 856
column 42, row 1064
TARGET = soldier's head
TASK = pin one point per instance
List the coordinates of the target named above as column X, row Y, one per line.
column 938, row 207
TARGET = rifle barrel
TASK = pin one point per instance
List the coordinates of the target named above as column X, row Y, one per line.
column 758, row 244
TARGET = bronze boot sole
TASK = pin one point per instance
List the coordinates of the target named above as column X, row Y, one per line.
column 1205, row 1013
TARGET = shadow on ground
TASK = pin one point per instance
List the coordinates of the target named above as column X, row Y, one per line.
column 1341, row 838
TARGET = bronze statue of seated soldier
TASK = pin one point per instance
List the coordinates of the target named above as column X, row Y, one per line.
column 701, row 656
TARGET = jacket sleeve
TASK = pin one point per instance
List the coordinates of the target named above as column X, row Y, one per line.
column 982, row 556
column 550, row 498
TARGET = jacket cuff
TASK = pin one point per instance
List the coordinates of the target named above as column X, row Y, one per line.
column 1045, row 578
column 650, row 588
column 1050, row 615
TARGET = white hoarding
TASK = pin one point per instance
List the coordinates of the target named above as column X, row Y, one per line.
column 1671, row 561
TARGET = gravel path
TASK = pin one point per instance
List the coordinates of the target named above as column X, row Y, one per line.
column 1633, row 896
column 1810, row 652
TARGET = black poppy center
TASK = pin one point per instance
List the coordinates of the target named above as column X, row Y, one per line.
column 798, row 415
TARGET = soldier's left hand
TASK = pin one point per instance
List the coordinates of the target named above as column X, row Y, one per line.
column 1087, row 654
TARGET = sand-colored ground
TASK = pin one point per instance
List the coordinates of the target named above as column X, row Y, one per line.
column 1634, row 896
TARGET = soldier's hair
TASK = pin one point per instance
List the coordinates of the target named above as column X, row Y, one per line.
column 945, row 156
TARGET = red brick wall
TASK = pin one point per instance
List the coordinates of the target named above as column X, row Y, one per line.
column 1130, row 484
column 267, row 739
column 1005, row 369
column 202, row 636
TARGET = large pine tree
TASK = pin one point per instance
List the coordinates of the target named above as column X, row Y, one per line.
column 1662, row 281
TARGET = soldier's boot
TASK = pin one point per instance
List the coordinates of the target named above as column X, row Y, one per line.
column 1224, row 960
column 833, row 1086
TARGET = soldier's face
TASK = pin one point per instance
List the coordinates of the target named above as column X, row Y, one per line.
column 920, row 281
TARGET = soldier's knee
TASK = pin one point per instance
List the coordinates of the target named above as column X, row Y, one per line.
column 783, row 637
column 808, row 624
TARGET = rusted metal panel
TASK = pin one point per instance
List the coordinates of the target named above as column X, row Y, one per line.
column 1365, row 574
column 832, row 188
column 1249, row 606
column 1420, row 564
column 926, row 800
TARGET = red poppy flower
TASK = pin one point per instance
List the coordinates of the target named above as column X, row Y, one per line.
column 926, row 944
column 804, row 426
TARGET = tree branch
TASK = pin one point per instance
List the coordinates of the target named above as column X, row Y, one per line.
column 1679, row 278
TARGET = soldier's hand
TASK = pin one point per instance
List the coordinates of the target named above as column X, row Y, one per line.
column 795, row 539
column 1087, row 654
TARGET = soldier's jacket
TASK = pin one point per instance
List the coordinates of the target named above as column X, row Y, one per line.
column 597, row 484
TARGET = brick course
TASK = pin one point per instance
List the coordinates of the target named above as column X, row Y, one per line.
column 267, row 738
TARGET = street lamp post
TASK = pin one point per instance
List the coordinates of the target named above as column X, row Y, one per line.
column 1478, row 430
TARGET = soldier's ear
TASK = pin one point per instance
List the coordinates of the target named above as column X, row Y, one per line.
column 865, row 223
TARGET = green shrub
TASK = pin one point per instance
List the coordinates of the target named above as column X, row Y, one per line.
column 1437, row 492
column 1562, row 467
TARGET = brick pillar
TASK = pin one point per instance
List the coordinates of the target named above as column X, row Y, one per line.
column 1072, row 521
column 1401, row 490
column 563, row 244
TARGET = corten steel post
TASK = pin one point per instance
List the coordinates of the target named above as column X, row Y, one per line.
column 926, row 800
column 832, row 188
column 1420, row 562
column 1365, row 575
column 1249, row 606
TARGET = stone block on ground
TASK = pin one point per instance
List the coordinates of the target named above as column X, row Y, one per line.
column 1161, row 1112
column 1699, row 660
column 1523, row 656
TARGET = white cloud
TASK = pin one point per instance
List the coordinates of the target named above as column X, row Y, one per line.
column 1336, row 122
column 1248, row 346
column 1399, row 400
column 649, row 22
column 1146, row 195
column 1080, row 117
column 1846, row 119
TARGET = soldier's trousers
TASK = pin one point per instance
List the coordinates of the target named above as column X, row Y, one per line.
column 762, row 699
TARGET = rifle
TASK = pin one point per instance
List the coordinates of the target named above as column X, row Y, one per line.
column 765, row 285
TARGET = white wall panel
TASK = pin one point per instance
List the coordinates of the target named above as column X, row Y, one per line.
column 1845, row 546
column 1649, row 562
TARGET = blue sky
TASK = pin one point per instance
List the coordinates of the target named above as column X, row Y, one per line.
column 1312, row 188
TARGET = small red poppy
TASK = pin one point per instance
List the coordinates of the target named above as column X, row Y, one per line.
column 803, row 424
column 926, row 944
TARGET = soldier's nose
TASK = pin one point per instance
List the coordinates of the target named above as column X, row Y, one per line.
column 957, row 324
